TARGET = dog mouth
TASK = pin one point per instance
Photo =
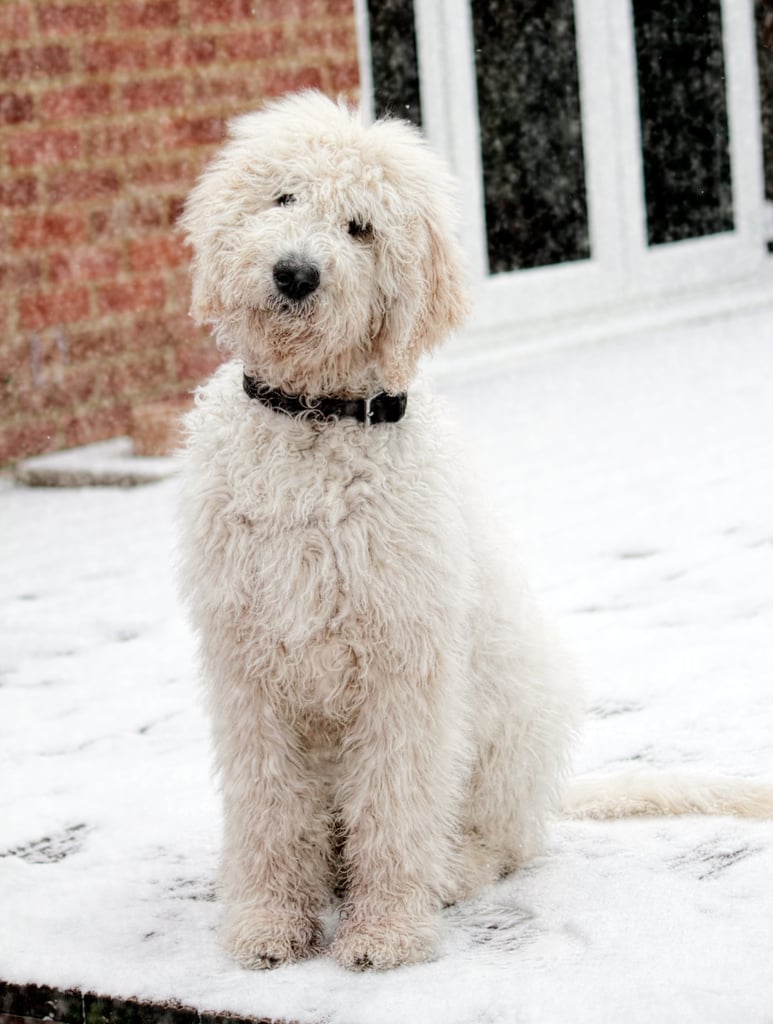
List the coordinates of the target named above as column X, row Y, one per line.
column 289, row 324
column 293, row 307
column 278, row 305
column 288, row 310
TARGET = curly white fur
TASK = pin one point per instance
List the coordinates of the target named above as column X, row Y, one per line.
column 390, row 714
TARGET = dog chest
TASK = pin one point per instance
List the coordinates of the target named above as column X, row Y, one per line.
column 335, row 537
column 335, row 543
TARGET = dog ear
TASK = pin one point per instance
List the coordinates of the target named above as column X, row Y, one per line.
column 429, row 299
column 193, row 223
column 206, row 305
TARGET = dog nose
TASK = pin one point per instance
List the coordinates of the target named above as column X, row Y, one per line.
column 296, row 278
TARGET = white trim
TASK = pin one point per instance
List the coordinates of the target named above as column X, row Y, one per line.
column 473, row 351
column 450, row 115
column 595, row 37
column 363, row 56
column 743, row 106
column 625, row 125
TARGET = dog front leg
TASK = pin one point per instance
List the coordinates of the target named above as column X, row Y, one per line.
column 276, row 857
column 398, row 800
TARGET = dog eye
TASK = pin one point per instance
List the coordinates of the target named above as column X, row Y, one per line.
column 285, row 199
column 359, row 230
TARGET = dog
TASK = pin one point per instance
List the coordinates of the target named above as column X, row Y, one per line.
column 390, row 714
column 392, row 718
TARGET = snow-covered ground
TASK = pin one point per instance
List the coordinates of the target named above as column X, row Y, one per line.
column 638, row 475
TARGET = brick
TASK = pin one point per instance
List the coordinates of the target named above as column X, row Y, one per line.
column 147, row 212
column 90, row 342
column 128, row 217
column 35, row 62
column 126, row 296
column 156, row 428
column 157, row 253
column 11, row 385
column 43, row 147
column 286, row 10
column 119, row 55
column 18, row 192
column 88, row 263
column 15, row 108
column 281, row 80
column 177, row 51
column 153, row 93
column 175, row 207
column 103, row 223
column 235, row 90
column 80, row 385
column 64, row 388
column 42, row 351
column 178, row 281
column 41, row 231
column 139, row 373
column 25, row 439
column 257, row 45
column 21, row 274
column 121, row 139
column 208, row 11
column 194, row 131
column 97, row 424
column 72, row 19
column 77, row 101
column 146, row 14
column 194, row 363
column 77, row 186
column 326, row 37
column 49, row 308
column 159, row 330
column 343, row 77
column 14, row 21
column 160, row 172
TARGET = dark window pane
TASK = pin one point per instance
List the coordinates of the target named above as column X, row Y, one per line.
column 530, row 133
column 683, row 118
column 764, row 10
column 394, row 64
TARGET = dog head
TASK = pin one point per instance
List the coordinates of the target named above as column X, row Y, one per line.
column 324, row 252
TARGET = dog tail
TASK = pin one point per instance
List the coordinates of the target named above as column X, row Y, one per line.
column 631, row 794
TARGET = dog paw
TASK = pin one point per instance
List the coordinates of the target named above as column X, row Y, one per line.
column 260, row 940
column 379, row 943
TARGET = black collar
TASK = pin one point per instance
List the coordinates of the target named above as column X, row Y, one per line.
column 381, row 408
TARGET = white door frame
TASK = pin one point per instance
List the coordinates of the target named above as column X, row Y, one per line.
column 623, row 273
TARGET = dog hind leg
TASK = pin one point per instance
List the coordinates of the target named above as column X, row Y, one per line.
column 526, row 708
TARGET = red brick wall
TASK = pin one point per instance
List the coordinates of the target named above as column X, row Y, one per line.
column 108, row 111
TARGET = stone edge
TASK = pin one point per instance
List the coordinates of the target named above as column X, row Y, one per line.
column 32, row 1004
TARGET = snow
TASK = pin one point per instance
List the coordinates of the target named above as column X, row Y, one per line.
column 638, row 477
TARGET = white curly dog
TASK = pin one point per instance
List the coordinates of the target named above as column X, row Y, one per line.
column 391, row 717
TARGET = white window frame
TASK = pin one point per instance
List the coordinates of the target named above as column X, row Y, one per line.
column 624, row 276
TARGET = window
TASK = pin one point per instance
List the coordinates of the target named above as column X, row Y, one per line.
column 530, row 133
column 683, row 112
column 394, row 65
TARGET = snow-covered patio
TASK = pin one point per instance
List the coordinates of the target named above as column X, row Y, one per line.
column 638, row 475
